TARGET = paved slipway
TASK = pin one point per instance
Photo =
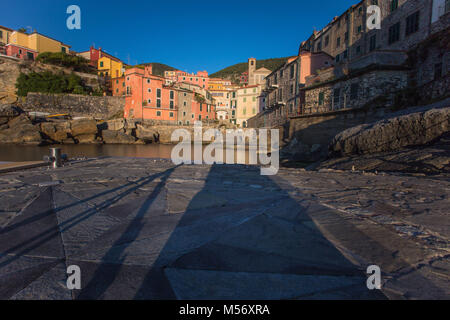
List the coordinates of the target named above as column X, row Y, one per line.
column 146, row 229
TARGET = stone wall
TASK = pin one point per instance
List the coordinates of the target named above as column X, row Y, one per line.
column 354, row 92
column 75, row 105
column 309, row 135
column 10, row 69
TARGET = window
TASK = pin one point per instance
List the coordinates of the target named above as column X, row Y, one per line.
column 201, row 107
column 293, row 71
column 254, row 99
column 184, row 113
column 149, row 101
column 346, row 54
column 171, row 95
column 359, row 29
column 338, row 42
column 1, row 34
column 101, row 64
column 254, row 90
column 117, row 81
column 158, row 103
column 447, row 6
column 412, row 23
column 63, row 49
column 193, row 116
column 149, row 90
column 394, row 33
column 346, row 36
column 200, row 117
column 337, row 95
column 244, row 111
column 354, row 91
column 245, row 99
column 158, row 93
column 373, row 43
column 171, row 114
column 184, row 103
column 394, row 5
column 338, row 58
column 321, row 98
column 437, row 71
column 148, row 80
column 158, row 113
column 327, row 40
column 171, row 104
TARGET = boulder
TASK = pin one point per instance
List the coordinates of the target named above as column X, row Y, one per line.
column 116, row 125
column 86, row 138
column 55, row 131
column 391, row 134
column 117, row 137
column 23, row 133
column 9, row 111
column 83, row 127
column 20, row 120
column 147, row 134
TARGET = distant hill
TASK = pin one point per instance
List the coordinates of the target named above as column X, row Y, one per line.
column 158, row 68
column 233, row 72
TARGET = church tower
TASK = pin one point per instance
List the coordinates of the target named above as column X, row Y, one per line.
column 251, row 71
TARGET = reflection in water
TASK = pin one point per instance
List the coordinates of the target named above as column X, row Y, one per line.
column 34, row 153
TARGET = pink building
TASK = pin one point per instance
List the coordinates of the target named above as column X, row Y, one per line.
column 200, row 79
column 147, row 97
column 21, row 52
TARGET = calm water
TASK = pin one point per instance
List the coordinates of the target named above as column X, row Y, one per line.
column 34, row 153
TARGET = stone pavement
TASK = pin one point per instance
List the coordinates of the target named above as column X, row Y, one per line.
column 146, row 229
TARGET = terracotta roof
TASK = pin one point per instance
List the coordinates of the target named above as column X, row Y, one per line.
column 2, row 27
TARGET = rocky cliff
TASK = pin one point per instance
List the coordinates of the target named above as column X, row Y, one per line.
column 16, row 127
column 416, row 140
column 10, row 69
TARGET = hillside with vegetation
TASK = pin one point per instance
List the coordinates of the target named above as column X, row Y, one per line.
column 158, row 68
column 233, row 72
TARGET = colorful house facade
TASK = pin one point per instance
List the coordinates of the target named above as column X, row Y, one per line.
column 200, row 79
column 37, row 42
column 5, row 33
column 20, row 52
column 146, row 97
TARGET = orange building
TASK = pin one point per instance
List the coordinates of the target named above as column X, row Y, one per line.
column 200, row 79
column 146, row 96
column 118, row 87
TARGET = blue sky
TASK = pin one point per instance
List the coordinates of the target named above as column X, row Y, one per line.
column 189, row 35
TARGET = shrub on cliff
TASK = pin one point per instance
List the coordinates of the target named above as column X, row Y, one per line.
column 47, row 82
column 62, row 59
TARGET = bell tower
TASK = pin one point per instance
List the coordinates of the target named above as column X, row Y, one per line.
column 251, row 71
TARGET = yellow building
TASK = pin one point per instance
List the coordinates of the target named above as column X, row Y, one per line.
column 37, row 42
column 218, row 84
column 5, row 34
column 246, row 103
column 110, row 67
